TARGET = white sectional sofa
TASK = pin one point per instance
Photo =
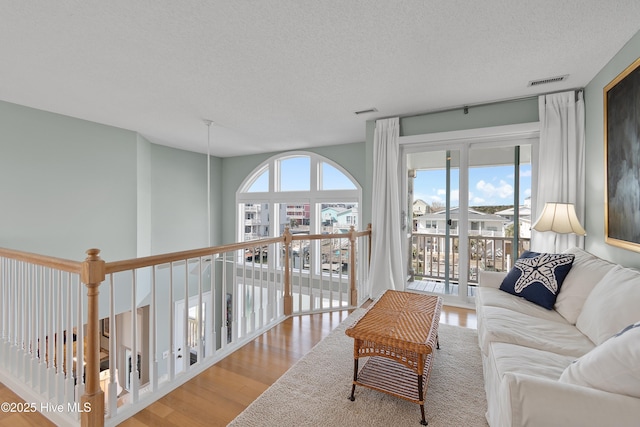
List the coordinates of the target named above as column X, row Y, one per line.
column 569, row 366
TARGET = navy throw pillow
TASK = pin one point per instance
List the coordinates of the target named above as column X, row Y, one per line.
column 537, row 277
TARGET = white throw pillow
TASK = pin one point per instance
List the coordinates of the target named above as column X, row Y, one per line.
column 612, row 304
column 613, row 366
column 586, row 272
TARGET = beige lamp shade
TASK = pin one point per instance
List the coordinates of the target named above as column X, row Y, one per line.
column 559, row 217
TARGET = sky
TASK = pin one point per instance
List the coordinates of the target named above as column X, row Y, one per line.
column 295, row 176
column 488, row 186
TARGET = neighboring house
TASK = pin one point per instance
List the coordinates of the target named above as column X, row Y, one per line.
column 524, row 211
column 346, row 219
column 420, row 207
column 330, row 214
column 480, row 224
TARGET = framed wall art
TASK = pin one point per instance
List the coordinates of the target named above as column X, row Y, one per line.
column 622, row 159
column 104, row 323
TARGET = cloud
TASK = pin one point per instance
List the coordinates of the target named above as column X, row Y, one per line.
column 490, row 191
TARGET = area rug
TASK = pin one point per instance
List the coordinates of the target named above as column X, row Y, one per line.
column 315, row 391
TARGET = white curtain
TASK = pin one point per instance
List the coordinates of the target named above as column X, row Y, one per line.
column 561, row 164
column 386, row 270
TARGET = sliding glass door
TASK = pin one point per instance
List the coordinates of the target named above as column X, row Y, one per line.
column 470, row 210
column 435, row 180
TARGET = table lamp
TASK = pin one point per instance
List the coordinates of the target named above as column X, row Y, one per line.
column 560, row 218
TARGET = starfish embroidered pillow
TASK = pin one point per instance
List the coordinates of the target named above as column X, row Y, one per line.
column 537, row 277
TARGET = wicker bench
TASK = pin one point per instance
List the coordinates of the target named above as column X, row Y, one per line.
column 398, row 334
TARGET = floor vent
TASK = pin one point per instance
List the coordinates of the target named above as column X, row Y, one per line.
column 548, row 80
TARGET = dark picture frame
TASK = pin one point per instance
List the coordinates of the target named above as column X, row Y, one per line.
column 622, row 159
column 105, row 327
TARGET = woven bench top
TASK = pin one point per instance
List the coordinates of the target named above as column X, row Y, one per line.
column 402, row 320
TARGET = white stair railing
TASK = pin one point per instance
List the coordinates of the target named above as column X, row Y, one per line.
column 158, row 321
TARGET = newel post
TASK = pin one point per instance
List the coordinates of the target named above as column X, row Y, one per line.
column 288, row 297
column 93, row 273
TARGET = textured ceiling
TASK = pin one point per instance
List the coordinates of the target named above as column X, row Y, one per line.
column 281, row 75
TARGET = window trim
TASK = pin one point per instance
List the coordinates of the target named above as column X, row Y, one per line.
column 315, row 196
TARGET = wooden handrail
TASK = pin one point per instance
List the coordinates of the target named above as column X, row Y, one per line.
column 43, row 260
column 130, row 264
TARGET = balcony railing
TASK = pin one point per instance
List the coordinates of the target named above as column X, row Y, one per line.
column 144, row 326
column 485, row 253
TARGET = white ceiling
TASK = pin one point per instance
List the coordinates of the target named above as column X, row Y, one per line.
column 282, row 75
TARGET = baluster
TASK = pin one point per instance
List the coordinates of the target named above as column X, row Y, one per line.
column 353, row 297
column 51, row 335
column 186, row 350
column 288, row 296
column 80, row 358
column 199, row 333
column 261, row 310
column 224, row 339
column 60, row 340
column 134, row 374
column 237, row 312
column 153, row 356
column 69, row 374
column 172, row 316
column 211, row 312
column 241, row 289
column 112, row 390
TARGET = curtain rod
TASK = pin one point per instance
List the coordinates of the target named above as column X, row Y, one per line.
column 482, row 104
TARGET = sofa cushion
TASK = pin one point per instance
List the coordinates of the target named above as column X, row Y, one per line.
column 537, row 277
column 526, row 360
column 491, row 297
column 587, row 270
column 611, row 305
column 499, row 324
column 613, row 366
column 504, row 360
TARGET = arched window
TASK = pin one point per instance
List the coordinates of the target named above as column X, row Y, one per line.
column 304, row 191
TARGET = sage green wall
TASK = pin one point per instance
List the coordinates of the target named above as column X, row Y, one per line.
column 178, row 200
column 498, row 114
column 594, row 135
column 67, row 185
column 235, row 169
column 143, row 174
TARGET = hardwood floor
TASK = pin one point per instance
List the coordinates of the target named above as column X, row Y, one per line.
column 219, row 394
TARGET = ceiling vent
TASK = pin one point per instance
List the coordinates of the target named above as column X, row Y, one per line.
column 368, row 110
column 548, row 80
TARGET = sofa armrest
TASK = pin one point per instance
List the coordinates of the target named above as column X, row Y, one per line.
column 490, row 279
column 534, row 401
